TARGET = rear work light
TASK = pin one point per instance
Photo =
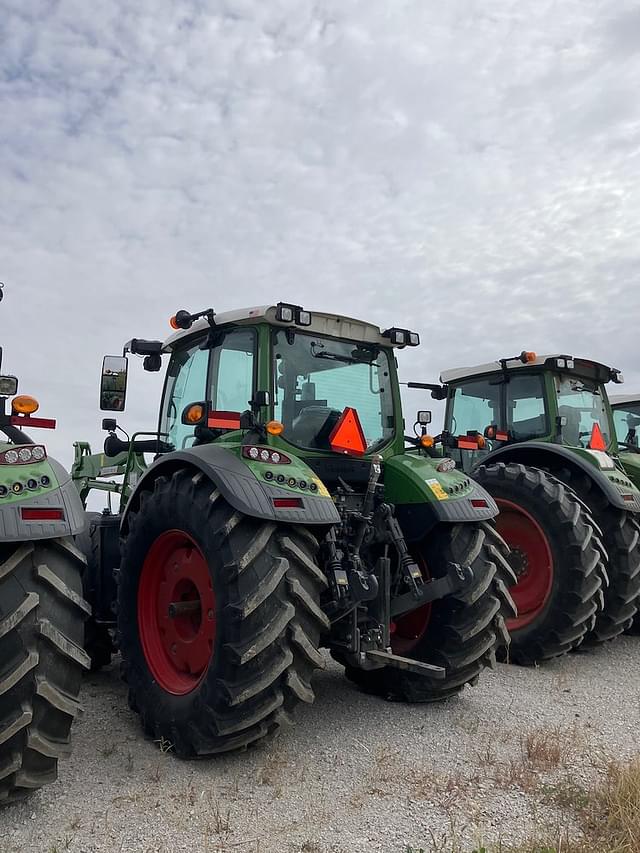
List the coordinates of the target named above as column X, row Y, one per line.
column 23, row 454
column 445, row 465
column 41, row 514
column 265, row 454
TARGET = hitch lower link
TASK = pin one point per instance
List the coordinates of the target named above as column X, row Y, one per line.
column 456, row 578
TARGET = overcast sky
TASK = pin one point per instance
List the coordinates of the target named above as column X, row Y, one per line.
column 470, row 170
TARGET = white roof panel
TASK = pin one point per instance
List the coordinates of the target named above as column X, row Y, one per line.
column 333, row 325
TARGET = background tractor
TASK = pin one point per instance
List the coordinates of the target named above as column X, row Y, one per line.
column 537, row 433
column 626, row 420
column 42, row 609
column 282, row 514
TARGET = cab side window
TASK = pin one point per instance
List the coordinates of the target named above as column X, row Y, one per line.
column 526, row 412
column 232, row 370
column 186, row 383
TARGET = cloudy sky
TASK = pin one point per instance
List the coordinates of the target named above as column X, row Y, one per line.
column 467, row 169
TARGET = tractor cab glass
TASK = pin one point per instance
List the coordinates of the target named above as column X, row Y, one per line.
column 222, row 374
column 316, row 378
column 517, row 406
column 113, row 383
column 626, row 420
column 581, row 405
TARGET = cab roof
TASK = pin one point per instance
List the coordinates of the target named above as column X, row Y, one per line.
column 622, row 399
column 580, row 365
column 332, row 325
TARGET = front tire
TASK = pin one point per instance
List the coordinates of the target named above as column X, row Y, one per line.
column 461, row 632
column 231, row 670
column 42, row 614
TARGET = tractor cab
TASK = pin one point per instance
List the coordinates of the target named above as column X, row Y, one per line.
column 556, row 399
column 626, row 419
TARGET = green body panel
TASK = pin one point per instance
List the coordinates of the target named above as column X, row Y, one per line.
column 631, row 464
column 413, row 479
column 10, row 474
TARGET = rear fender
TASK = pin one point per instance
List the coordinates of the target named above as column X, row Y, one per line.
column 60, row 495
column 424, row 496
column 611, row 481
column 242, row 487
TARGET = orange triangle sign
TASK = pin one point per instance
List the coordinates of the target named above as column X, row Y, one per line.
column 347, row 435
column 596, row 442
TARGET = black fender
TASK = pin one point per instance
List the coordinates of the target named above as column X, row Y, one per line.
column 417, row 520
column 539, row 454
column 238, row 487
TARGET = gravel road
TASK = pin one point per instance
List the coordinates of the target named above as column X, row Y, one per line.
column 355, row 774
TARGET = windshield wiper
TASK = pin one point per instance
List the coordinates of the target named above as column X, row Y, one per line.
column 358, row 356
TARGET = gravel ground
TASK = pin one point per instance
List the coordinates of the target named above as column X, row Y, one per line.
column 355, row 774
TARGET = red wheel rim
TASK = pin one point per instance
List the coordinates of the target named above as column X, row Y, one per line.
column 407, row 630
column 176, row 612
column 531, row 559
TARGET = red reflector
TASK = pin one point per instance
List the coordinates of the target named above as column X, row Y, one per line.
column 479, row 503
column 223, row 420
column 628, row 497
column 347, row 435
column 596, row 442
column 467, row 444
column 26, row 420
column 287, row 503
column 43, row 514
column 502, row 436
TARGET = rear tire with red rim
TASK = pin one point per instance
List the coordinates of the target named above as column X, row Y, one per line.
column 462, row 632
column 219, row 620
column 556, row 554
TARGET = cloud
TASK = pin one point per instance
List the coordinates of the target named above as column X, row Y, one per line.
column 467, row 170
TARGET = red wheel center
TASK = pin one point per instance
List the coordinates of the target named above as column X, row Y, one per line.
column 532, row 561
column 176, row 612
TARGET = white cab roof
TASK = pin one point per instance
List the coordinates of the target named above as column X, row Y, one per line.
column 333, row 325
column 458, row 373
column 621, row 399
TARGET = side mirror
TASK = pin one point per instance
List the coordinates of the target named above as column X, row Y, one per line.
column 113, row 383
column 424, row 418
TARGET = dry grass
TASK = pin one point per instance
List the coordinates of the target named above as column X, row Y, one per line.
column 608, row 816
column 548, row 749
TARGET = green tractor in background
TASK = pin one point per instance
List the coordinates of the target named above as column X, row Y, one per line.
column 626, row 419
column 283, row 513
column 537, row 433
column 42, row 608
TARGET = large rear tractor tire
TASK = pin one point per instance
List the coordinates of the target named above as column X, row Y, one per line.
column 98, row 642
column 42, row 614
column 621, row 539
column 461, row 632
column 219, row 620
column 556, row 555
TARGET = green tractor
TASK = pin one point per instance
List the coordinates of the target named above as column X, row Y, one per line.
column 281, row 514
column 42, row 608
column 537, row 433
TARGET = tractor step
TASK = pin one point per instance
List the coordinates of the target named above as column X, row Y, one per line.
column 389, row 659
